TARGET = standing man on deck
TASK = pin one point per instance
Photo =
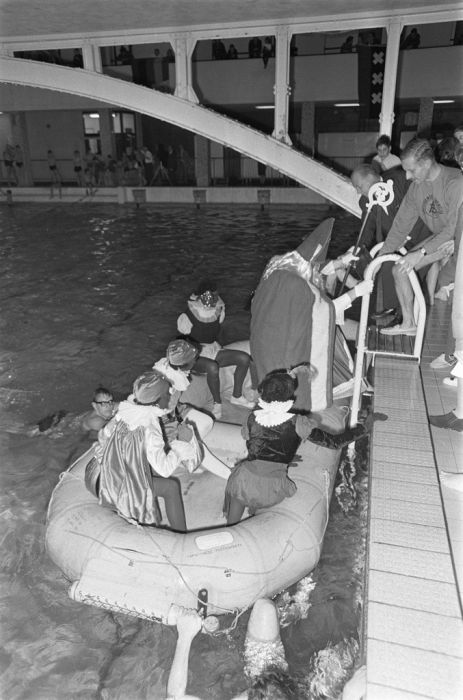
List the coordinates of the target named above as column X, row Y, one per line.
column 436, row 197
column 379, row 222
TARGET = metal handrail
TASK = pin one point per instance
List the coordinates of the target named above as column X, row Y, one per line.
column 362, row 348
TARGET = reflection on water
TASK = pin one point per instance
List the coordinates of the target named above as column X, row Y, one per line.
column 90, row 295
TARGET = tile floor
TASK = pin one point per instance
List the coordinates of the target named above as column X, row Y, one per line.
column 415, row 567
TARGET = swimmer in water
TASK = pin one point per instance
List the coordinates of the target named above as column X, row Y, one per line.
column 103, row 409
column 91, row 422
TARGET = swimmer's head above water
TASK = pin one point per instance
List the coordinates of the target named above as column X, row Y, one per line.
column 103, row 403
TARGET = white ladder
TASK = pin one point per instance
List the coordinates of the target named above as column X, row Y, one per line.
column 362, row 344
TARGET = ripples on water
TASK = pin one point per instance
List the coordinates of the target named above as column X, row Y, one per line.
column 90, row 295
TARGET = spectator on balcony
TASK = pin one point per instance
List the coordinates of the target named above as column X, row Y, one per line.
column 77, row 60
column 385, row 159
column 219, row 52
column 125, row 56
column 269, row 50
column 348, row 45
column 9, row 155
column 170, row 55
column 412, row 40
column 255, row 47
column 19, row 163
column 232, row 51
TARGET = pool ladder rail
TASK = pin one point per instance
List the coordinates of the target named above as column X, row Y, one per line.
column 373, row 343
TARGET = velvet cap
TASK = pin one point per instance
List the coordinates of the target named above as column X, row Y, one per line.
column 149, row 387
column 181, row 352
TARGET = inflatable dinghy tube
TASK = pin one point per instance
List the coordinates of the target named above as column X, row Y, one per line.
column 143, row 571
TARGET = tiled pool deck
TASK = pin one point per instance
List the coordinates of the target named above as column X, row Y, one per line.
column 414, row 625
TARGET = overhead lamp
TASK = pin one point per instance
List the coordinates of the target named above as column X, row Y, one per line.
column 265, row 106
column 443, row 102
column 347, row 104
column 94, row 115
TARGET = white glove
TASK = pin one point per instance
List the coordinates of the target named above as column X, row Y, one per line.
column 330, row 267
column 362, row 288
column 348, row 256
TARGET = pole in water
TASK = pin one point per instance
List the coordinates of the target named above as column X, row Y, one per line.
column 263, row 197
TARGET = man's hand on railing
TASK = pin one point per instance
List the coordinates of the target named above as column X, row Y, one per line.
column 408, row 262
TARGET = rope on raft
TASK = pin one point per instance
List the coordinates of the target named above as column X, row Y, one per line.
column 289, row 547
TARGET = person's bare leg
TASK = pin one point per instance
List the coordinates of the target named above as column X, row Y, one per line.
column 210, row 368
column 241, row 360
column 405, row 295
column 235, row 511
column 188, row 625
column 431, row 281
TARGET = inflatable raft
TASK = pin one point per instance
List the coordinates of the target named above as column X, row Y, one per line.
column 143, row 571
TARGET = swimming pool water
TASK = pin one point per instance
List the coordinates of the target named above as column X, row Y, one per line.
column 90, row 295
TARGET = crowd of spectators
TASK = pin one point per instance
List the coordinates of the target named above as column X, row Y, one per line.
column 136, row 166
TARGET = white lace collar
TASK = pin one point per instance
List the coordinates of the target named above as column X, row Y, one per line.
column 135, row 415
column 273, row 412
column 177, row 377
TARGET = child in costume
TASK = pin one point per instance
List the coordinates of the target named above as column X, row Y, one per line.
column 201, row 321
column 134, row 461
column 273, row 434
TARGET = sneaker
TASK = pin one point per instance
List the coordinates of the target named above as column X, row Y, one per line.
column 217, row 410
column 448, row 420
column 241, row 401
column 441, row 362
column 384, row 313
column 450, row 381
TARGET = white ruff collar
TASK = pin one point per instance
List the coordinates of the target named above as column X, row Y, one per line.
column 205, row 314
column 136, row 416
column 273, row 413
column 177, row 377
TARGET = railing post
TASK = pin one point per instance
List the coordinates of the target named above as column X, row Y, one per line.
column 91, row 57
column 386, row 118
column 282, row 88
column 184, row 45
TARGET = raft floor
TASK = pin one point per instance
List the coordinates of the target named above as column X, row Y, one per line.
column 202, row 492
column 414, row 632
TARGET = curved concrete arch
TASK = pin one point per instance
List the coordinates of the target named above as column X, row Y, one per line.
column 186, row 115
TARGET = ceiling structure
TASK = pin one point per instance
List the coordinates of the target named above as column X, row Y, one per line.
column 23, row 19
